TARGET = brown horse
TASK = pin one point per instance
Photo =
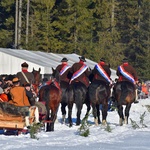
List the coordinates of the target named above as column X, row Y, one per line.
column 37, row 79
column 124, row 94
column 50, row 94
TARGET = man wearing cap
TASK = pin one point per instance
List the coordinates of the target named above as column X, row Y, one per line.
column 80, row 72
column 19, row 98
column 102, row 72
column 24, row 75
column 64, row 69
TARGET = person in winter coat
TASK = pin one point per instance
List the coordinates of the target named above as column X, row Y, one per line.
column 24, row 75
column 80, row 72
column 64, row 69
column 126, row 72
column 102, row 72
column 20, row 99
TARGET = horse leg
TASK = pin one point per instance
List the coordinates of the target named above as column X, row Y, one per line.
column 88, row 108
column 47, row 121
column 95, row 114
column 98, row 114
column 104, row 113
column 78, row 121
column 53, row 118
column 70, row 105
column 127, row 109
column 63, row 110
column 120, row 112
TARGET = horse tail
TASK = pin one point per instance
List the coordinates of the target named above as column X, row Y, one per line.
column 124, row 92
column 69, row 94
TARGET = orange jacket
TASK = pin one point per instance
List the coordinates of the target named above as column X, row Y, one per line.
column 19, row 97
column 144, row 89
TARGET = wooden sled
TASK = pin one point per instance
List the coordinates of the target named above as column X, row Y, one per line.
column 15, row 122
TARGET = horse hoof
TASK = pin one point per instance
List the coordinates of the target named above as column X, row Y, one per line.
column 121, row 122
column 77, row 124
column 70, row 125
column 96, row 121
column 104, row 122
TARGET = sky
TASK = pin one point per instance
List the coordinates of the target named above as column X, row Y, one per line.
column 65, row 138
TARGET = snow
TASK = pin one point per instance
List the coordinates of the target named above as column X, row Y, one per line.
column 64, row 138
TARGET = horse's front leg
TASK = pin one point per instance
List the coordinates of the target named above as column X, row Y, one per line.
column 70, row 105
column 127, row 109
column 120, row 112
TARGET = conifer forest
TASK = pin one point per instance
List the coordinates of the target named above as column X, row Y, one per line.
column 112, row 29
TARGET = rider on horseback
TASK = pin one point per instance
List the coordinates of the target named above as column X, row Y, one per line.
column 80, row 72
column 63, row 69
column 126, row 72
column 102, row 72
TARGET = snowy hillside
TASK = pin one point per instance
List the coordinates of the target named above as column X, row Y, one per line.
column 64, row 138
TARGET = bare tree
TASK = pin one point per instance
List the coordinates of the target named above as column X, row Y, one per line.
column 16, row 25
column 19, row 24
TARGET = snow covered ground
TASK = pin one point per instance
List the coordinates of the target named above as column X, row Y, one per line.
column 64, row 138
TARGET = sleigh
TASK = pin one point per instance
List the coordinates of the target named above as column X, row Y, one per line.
column 12, row 118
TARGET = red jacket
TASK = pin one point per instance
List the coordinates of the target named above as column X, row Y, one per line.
column 128, row 68
column 84, row 76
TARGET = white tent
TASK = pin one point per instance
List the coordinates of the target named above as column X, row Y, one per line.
column 11, row 60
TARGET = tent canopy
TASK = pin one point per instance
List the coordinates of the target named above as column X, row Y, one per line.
column 11, row 60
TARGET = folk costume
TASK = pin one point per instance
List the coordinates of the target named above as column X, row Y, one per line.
column 102, row 72
column 18, row 95
column 80, row 72
column 64, row 69
column 20, row 99
column 24, row 75
column 126, row 72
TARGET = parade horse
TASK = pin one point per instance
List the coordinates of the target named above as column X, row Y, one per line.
column 124, row 94
column 76, row 93
column 50, row 94
column 99, row 93
column 37, row 79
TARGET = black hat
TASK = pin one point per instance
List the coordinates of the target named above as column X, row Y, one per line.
column 82, row 58
column 125, row 60
column 27, row 84
column 64, row 60
column 24, row 65
column 102, row 59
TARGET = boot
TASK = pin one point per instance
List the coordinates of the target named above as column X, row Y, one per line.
column 136, row 96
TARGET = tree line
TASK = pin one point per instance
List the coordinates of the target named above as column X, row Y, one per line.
column 112, row 29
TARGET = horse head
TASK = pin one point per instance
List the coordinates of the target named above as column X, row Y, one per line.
column 37, row 75
column 55, row 75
